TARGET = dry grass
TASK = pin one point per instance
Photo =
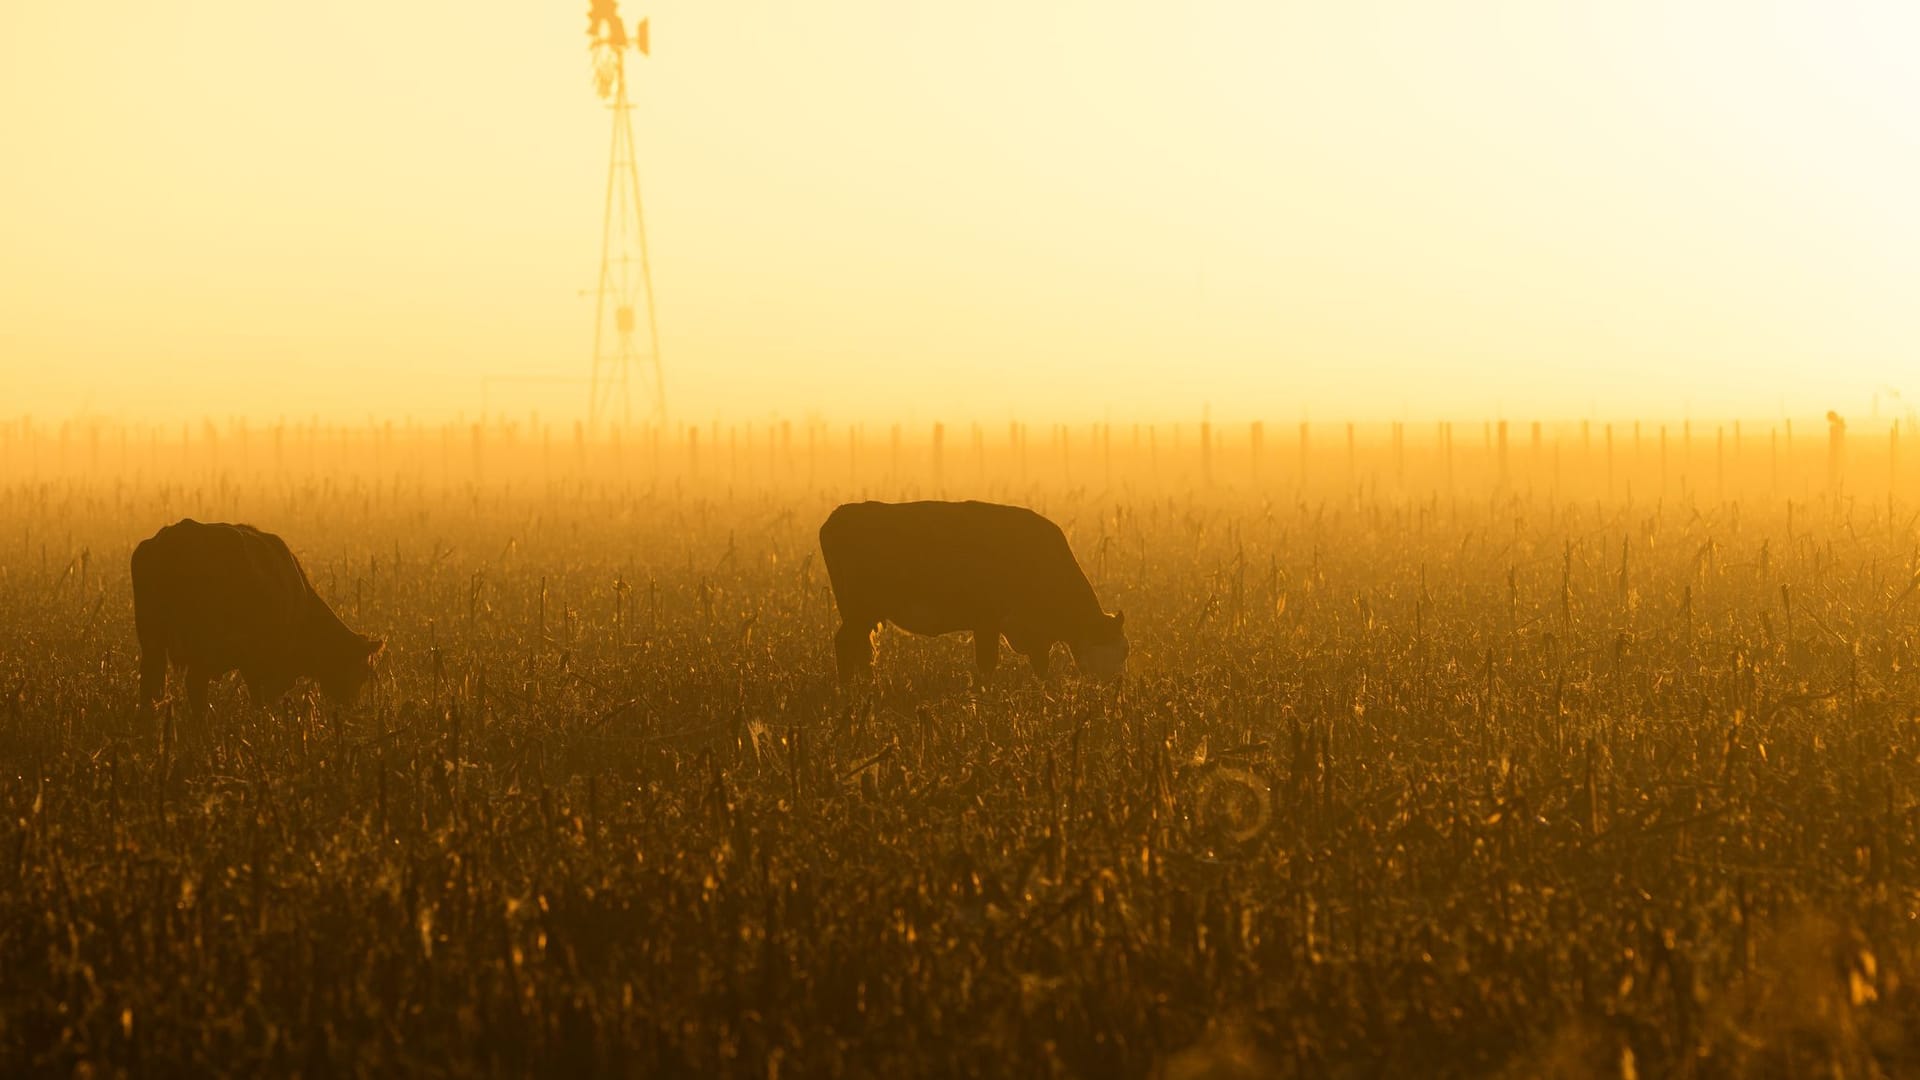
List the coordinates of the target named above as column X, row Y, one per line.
column 1397, row 785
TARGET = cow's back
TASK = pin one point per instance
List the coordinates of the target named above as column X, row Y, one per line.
column 934, row 567
column 220, row 596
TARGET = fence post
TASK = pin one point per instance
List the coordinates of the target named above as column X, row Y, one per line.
column 1663, row 459
column 1609, row 460
column 939, row 443
column 1836, row 451
column 1893, row 458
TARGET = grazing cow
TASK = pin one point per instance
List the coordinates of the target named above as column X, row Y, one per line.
column 212, row 598
column 940, row 567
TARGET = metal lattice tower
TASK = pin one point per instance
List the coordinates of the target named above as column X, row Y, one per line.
column 624, row 334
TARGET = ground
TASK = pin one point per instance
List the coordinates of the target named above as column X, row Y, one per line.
column 1509, row 783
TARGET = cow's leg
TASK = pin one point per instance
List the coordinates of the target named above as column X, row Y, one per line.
column 986, row 649
column 196, row 680
column 153, row 657
column 1039, row 658
column 153, row 673
column 266, row 689
column 1031, row 644
column 853, row 649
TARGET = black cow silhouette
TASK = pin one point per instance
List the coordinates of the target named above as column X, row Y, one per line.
column 941, row 567
column 213, row 598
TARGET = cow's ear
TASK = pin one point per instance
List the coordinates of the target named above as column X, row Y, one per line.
column 374, row 650
column 1119, row 619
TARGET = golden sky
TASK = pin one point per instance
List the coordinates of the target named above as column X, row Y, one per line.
column 887, row 209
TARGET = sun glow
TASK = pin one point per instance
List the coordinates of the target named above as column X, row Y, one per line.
column 880, row 210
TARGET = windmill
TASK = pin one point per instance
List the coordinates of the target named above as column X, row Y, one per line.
column 625, row 296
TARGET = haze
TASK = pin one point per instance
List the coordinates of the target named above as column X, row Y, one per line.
column 1063, row 211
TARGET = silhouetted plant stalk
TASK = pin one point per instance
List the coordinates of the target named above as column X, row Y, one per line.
column 1390, row 803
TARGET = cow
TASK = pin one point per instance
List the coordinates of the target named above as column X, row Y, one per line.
column 942, row 567
column 212, row 598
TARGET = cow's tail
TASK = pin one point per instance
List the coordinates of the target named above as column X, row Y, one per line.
column 832, row 540
column 149, row 624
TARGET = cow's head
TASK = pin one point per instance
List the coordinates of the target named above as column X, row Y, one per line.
column 351, row 670
column 1102, row 653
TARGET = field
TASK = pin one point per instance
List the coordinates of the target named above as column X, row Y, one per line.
column 1431, row 759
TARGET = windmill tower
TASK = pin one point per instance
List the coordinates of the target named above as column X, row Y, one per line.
column 624, row 335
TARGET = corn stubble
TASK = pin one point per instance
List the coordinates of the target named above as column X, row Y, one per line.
column 1518, row 782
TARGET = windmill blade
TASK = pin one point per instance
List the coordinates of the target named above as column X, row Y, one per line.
column 603, row 23
column 601, row 11
column 640, row 38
